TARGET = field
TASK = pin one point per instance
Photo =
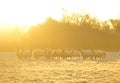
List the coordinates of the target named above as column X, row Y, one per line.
column 13, row 70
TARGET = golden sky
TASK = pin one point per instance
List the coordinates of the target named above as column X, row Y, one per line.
column 30, row 12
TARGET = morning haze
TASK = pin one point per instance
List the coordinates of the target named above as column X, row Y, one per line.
column 59, row 41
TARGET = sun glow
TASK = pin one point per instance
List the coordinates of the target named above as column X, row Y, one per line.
column 21, row 12
column 30, row 12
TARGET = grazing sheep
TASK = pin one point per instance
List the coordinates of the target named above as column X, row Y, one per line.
column 87, row 54
column 59, row 54
column 24, row 54
column 48, row 54
column 53, row 54
column 38, row 53
column 77, row 54
column 68, row 54
column 19, row 54
column 99, row 54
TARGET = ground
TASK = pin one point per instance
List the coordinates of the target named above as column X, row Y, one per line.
column 13, row 70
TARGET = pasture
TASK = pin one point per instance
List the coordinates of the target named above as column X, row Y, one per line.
column 13, row 70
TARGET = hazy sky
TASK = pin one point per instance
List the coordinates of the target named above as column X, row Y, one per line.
column 29, row 12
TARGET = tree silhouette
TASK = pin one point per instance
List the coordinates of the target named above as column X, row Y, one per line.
column 116, row 24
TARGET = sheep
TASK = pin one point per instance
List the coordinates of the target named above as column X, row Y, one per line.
column 24, row 54
column 59, row 54
column 38, row 53
column 87, row 54
column 77, row 54
column 68, row 54
column 19, row 54
column 99, row 54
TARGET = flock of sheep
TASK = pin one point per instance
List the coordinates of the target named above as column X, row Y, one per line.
column 61, row 54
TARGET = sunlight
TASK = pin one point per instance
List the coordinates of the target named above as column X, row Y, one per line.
column 103, row 9
column 21, row 12
column 24, row 12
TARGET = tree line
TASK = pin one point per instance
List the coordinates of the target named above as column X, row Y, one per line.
column 76, row 31
column 73, row 31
